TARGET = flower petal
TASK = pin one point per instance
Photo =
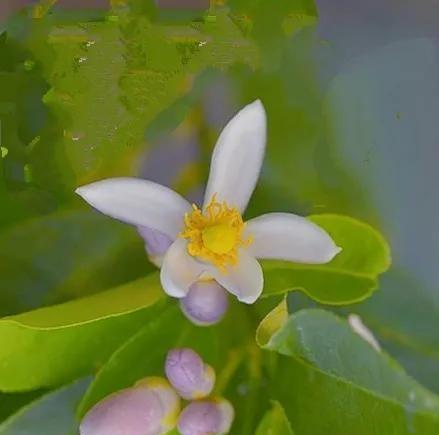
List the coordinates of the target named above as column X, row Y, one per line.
column 179, row 270
column 138, row 202
column 245, row 280
column 286, row 236
column 237, row 157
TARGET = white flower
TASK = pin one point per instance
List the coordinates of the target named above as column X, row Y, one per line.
column 214, row 242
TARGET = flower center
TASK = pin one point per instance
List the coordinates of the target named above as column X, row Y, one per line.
column 215, row 234
column 220, row 238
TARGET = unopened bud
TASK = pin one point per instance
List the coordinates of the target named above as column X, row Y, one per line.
column 156, row 244
column 206, row 417
column 206, row 303
column 138, row 410
column 188, row 374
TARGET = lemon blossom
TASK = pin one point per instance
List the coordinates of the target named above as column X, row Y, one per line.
column 213, row 241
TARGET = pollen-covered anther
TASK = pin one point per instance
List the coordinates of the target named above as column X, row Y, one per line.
column 216, row 234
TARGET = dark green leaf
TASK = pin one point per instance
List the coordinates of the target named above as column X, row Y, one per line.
column 53, row 414
column 65, row 255
column 11, row 403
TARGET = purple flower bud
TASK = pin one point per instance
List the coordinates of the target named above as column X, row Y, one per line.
column 156, row 244
column 138, row 410
column 188, row 374
column 206, row 417
column 206, row 303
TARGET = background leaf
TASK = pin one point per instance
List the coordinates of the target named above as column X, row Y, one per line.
column 65, row 255
column 275, row 422
column 52, row 414
column 133, row 69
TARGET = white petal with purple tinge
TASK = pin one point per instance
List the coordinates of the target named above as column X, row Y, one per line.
column 138, row 202
column 285, row 236
column 245, row 280
column 179, row 270
column 237, row 157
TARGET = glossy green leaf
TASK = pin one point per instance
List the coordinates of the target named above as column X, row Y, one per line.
column 275, row 422
column 52, row 414
column 54, row 345
column 407, row 331
column 357, row 389
column 65, row 255
column 350, row 277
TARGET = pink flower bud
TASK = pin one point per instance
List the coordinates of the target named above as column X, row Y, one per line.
column 145, row 409
column 188, row 374
column 206, row 417
column 206, row 303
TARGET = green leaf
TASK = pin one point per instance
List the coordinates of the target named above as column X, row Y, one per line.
column 293, row 6
column 350, row 277
column 144, row 354
column 65, row 255
column 54, row 345
column 10, row 403
column 409, row 330
column 357, row 389
column 275, row 422
column 53, row 414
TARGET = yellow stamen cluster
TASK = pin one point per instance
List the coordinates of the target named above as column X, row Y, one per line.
column 215, row 234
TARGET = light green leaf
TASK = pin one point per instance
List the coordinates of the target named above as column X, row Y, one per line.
column 65, row 255
column 350, row 277
column 53, row 414
column 357, row 389
column 275, row 422
column 54, row 345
